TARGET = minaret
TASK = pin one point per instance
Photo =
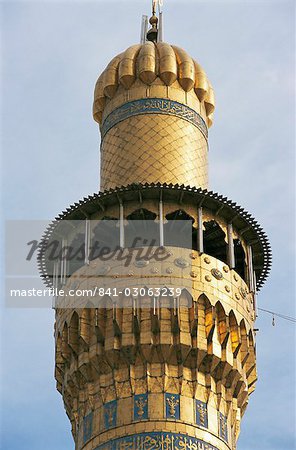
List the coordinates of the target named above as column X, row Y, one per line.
column 158, row 377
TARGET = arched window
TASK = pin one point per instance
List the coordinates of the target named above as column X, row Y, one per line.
column 251, row 363
column 214, row 241
column 100, row 322
column 205, row 318
column 221, row 322
column 205, row 327
column 85, row 325
column 141, row 214
column 185, row 299
column 105, row 236
column 141, row 229
column 178, row 228
column 59, row 357
column 76, row 255
column 234, row 333
column 65, row 342
column 239, row 254
column 73, row 333
column 244, row 341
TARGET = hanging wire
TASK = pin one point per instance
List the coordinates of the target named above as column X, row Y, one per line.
column 274, row 314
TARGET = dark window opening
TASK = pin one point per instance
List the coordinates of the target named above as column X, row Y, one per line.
column 178, row 226
column 240, row 265
column 105, row 235
column 141, row 229
column 76, row 258
column 214, row 241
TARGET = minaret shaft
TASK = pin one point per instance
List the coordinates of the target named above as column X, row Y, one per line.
column 153, row 148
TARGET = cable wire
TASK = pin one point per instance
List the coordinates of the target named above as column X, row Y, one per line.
column 282, row 316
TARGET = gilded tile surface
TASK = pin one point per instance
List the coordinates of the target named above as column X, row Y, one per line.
column 154, row 148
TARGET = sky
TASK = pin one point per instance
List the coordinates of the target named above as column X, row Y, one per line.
column 52, row 53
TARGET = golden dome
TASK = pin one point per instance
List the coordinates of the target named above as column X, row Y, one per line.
column 148, row 62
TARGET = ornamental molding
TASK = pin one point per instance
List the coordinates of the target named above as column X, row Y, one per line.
column 153, row 106
column 161, row 441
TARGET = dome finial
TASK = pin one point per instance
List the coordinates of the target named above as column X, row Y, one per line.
column 153, row 32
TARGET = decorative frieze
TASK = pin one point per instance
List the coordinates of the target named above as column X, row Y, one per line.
column 153, row 106
column 160, row 441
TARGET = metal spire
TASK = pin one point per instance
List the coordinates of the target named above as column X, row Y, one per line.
column 144, row 29
column 153, row 32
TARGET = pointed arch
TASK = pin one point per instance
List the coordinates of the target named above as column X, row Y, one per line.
column 142, row 214
column 222, row 322
column 140, row 226
column 74, row 332
column 100, row 324
column 205, row 315
column 251, row 339
column 112, row 327
column 76, row 255
column 240, row 259
column 65, row 343
column 244, row 342
column 234, row 333
column 193, row 316
column 251, row 363
column 85, row 325
column 105, row 234
column 185, row 299
column 214, row 240
column 58, row 349
column 179, row 214
column 178, row 223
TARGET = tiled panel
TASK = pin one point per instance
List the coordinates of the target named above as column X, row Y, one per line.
column 172, row 406
column 223, row 427
column 110, row 414
column 201, row 414
column 141, row 407
column 87, row 427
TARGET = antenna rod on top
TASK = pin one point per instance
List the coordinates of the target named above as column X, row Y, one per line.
column 160, row 5
column 160, row 23
column 160, row 27
column 144, row 29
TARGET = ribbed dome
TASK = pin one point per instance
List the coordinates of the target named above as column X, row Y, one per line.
column 146, row 62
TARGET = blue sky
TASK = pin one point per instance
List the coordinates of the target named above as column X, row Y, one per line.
column 52, row 53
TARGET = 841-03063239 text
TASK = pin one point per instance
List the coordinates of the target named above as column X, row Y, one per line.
column 139, row 291
column 100, row 292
